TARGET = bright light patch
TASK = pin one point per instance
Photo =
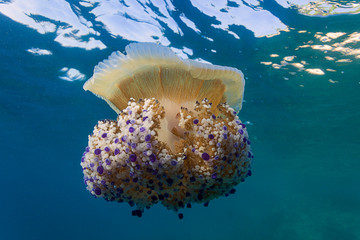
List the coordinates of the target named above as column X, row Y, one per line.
column 315, row 71
column 39, row 52
column 71, row 74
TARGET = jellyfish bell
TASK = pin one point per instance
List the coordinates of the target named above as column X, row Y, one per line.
column 177, row 138
column 149, row 70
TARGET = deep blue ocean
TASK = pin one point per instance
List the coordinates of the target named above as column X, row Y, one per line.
column 301, row 62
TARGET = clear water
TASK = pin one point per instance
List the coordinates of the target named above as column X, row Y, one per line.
column 304, row 127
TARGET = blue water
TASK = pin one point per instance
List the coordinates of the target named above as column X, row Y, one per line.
column 304, row 127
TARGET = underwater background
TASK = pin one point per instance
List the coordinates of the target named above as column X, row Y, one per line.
column 300, row 59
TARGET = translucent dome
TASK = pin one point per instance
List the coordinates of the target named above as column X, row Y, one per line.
column 150, row 70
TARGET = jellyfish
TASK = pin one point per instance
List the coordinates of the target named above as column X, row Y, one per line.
column 177, row 139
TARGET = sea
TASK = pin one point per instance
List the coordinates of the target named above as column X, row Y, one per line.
column 301, row 62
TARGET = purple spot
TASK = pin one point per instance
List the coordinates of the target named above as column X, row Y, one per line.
column 225, row 136
column 234, row 112
column 142, row 129
column 97, row 151
column 241, row 131
column 104, row 135
column 244, row 140
column 152, row 157
column 124, row 138
column 130, row 112
column 205, row 156
column 216, row 158
column 218, row 144
column 196, row 121
column 97, row 191
column 87, row 149
column 107, row 161
column 193, row 150
column 127, row 122
column 107, row 149
column 144, row 118
column 82, row 159
column 213, row 176
column 213, row 116
column 173, row 162
column 116, row 140
column 148, row 145
column 132, row 121
column 91, row 164
column 132, row 157
column 133, row 145
column 127, row 150
column 117, row 151
column 225, row 128
column 243, row 125
column 131, row 129
column 211, row 136
column 147, row 137
column 100, row 169
column 248, row 142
